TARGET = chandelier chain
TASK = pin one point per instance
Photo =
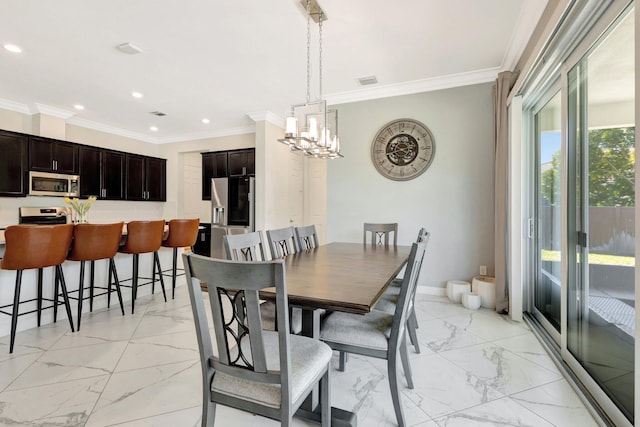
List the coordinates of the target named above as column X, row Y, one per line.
column 308, row 51
column 320, row 56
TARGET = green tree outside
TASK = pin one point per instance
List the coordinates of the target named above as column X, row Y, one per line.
column 611, row 169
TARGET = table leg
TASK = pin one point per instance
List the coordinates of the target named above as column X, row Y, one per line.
column 339, row 417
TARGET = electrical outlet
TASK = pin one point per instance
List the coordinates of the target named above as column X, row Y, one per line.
column 483, row 270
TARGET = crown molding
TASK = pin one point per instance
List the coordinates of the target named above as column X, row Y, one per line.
column 112, row 130
column 522, row 31
column 267, row 116
column 242, row 130
column 17, row 107
column 416, row 86
column 51, row 111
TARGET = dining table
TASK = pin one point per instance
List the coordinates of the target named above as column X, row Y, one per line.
column 347, row 277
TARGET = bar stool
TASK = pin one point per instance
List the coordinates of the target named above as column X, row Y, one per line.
column 93, row 242
column 36, row 246
column 144, row 237
column 182, row 233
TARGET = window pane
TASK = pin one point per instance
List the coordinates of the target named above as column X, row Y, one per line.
column 601, row 295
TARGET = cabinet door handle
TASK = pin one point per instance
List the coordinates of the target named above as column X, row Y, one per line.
column 55, row 165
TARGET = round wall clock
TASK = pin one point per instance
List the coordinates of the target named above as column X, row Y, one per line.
column 403, row 149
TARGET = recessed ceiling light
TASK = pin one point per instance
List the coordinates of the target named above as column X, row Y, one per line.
column 206, row 121
column 136, row 95
column 153, row 129
column 12, row 48
column 78, row 107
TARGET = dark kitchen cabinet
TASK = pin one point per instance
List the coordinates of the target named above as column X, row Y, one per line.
column 242, row 162
column 50, row 155
column 214, row 165
column 13, row 164
column 102, row 173
column 146, row 178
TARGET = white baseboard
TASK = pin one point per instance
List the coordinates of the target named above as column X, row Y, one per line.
column 432, row 290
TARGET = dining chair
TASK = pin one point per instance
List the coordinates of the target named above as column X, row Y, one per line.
column 251, row 247
column 379, row 334
column 307, row 237
column 380, row 233
column 389, row 299
column 261, row 372
column 245, row 247
column 282, row 242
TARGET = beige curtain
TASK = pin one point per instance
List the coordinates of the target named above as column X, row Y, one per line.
column 500, row 93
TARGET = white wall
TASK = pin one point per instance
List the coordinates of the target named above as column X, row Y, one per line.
column 453, row 199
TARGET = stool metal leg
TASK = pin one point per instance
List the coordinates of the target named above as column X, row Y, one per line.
column 174, row 272
column 93, row 264
column 80, row 292
column 56, row 291
column 109, row 285
column 134, row 285
column 63, row 287
column 14, row 313
column 157, row 262
column 153, row 275
column 39, row 296
column 112, row 267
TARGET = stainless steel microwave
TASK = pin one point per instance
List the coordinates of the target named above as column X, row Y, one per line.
column 53, row 184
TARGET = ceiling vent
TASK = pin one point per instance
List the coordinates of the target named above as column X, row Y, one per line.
column 367, row 80
column 158, row 113
column 129, row 48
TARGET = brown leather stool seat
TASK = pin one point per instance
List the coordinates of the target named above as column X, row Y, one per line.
column 36, row 246
column 93, row 242
column 144, row 237
column 182, row 233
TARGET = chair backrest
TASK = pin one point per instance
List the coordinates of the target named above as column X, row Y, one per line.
column 307, row 237
column 240, row 342
column 36, row 246
column 182, row 233
column 95, row 241
column 144, row 236
column 423, row 236
column 407, row 293
column 380, row 233
column 282, row 242
column 245, row 247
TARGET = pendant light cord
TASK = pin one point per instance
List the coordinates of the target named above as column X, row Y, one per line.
column 308, row 51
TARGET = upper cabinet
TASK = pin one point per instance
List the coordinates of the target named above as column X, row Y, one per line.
column 146, row 178
column 13, row 163
column 50, row 155
column 102, row 173
column 214, row 165
column 242, row 162
column 223, row 164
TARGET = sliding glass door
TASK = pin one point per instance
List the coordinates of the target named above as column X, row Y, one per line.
column 548, row 225
column 601, row 206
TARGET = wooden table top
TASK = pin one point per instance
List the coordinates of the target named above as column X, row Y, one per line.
column 349, row 277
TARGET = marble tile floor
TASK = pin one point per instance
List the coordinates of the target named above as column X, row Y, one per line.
column 476, row 369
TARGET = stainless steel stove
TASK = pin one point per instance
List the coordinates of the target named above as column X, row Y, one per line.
column 52, row 215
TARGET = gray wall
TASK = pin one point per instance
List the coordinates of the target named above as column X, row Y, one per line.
column 453, row 199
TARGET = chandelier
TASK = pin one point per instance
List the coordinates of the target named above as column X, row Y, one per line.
column 310, row 127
